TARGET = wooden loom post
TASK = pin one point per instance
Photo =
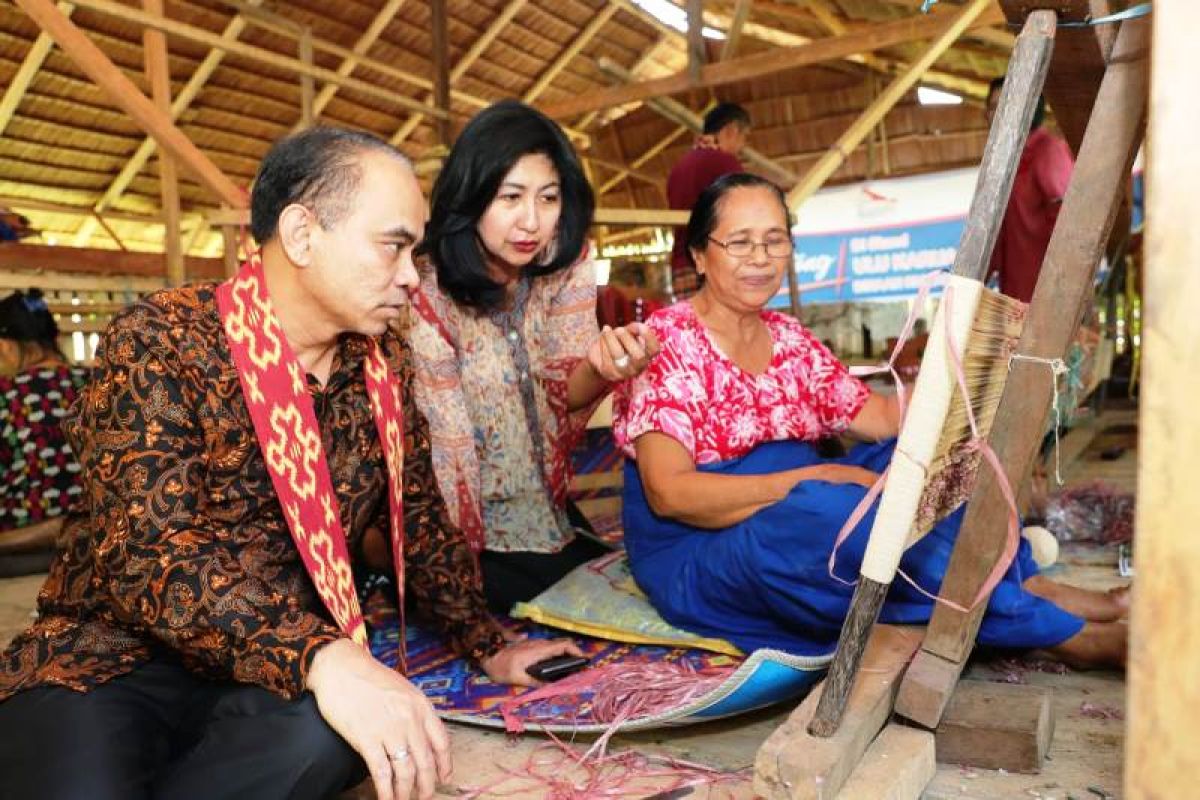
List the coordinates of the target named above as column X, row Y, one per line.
column 1105, row 158
column 1161, row 747
column 1026, row 73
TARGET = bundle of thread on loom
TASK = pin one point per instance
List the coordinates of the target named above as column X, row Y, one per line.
column 614, row 694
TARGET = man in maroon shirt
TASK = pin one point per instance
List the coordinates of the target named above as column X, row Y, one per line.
column 1037, row 194
column 726, row 130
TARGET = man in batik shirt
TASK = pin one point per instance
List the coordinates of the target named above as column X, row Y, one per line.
column 199, row 633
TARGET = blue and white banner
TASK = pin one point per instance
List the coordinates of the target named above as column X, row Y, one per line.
column 880, row 263
column 878, row 240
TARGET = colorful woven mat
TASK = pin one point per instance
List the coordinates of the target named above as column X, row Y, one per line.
column 461, row 692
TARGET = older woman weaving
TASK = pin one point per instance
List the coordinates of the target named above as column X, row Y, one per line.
column 730, row 513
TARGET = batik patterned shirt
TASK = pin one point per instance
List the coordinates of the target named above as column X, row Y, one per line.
column 184, row 547
column 695, row 394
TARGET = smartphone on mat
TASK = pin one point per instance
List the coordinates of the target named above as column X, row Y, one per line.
column 552, row 669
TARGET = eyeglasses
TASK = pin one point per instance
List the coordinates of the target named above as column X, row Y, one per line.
column 774, row 247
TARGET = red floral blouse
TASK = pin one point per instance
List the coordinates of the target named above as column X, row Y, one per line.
column 693, row 393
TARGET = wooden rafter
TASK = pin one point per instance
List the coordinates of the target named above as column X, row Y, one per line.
column 695, row 39
column 16, row 256
column 468, row 59
column 968, row 87
column 733, row 34
column 29, row 67
column 882, row 104
column 440, row 61
column 159, row 75
column 147, row 147
column 259, row 54
column 640, row 216
column 614, row 167
column 651, row 152
column 573, row 49
column 109, row 77
column 31, row 204
column 682, row 115
column 352, row 60
column 770, row 62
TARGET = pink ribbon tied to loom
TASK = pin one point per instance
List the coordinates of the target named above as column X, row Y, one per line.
column 976, row 443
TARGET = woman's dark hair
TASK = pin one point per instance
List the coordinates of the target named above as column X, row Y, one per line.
column 491, row 144
column 318, row 168
column 707, row 210
column 24, row 317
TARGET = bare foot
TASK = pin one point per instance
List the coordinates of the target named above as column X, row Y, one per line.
column 1093, row 606
column 1098, row 645
column 1122, row 597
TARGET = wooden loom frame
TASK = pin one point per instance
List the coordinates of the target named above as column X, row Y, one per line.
column 1110, row 104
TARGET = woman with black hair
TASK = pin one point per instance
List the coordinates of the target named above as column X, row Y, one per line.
column 510, row 363
column 39, row 476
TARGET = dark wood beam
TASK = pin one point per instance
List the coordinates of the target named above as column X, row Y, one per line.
column 742, row 69
column 15, row 256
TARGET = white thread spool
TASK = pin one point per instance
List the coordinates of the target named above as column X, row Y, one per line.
column 1044, row 545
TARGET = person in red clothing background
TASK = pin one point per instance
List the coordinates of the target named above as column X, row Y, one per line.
column 1037, row 195
column 726, row 131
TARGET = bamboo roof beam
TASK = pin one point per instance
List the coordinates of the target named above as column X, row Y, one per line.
column 440, row 63
column 568, row 55
column 31, row 204
column 109, row 77
column 465, row 63
column 159, row 74
column 364, row 43
column 854, row 135
column 760, row 64
column 998, row 36
column 362, row 60
column 733, row 34
column 651, row 152
column 613, row 166
column 147, row 147
column 640, row 216
column 259, row 54
column 682, row 115
column 696, row 51
column 971, row 88
column 29, row 67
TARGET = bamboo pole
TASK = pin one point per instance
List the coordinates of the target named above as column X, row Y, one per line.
column 147, row 147
column 157, row 70
column 25, row 73
column 108, row 76
column 767, row 63
column 882, row 104
column 262, row 55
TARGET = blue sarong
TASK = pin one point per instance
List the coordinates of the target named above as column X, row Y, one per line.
column 765, row 581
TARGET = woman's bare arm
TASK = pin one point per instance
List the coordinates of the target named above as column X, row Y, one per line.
column 677, row 490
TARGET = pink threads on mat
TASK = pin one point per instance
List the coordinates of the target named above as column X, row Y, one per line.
column 616, row 693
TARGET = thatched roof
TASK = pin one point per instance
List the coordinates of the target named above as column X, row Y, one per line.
column 64, row 142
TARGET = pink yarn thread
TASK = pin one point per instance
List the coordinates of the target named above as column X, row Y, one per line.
column 618, row 693
column 977, row 442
